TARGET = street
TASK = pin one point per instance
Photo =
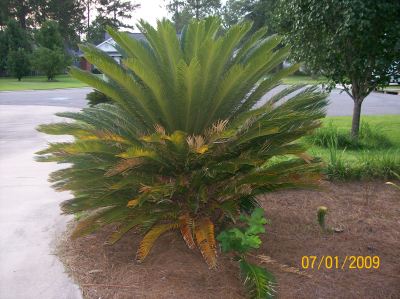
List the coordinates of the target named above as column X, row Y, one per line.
column 340, row 102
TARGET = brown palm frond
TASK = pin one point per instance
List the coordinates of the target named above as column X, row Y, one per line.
column 149, row 239
column 186, row 226
column 159, row 129
column 284, row 268
column 216, row 128
column 195, row 142
column 204, row 232
column 124, row 165
column 89, row 223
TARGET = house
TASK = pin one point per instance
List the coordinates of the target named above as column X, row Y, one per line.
column 108, row 46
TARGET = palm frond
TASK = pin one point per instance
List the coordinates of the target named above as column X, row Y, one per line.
column 259, row 282
column 151, row 236
column 204, row 232
column 186, row 227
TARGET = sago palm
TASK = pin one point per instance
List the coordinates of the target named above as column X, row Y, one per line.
column 183, row 146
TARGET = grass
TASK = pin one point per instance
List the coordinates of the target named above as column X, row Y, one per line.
column 375, row 155
column 296, row 79
column 39, row 83
column 65, row 81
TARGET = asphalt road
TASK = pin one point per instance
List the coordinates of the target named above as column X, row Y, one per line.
column 340, row 102
column 30, row 219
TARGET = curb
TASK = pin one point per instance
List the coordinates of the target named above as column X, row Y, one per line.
column 394, row 92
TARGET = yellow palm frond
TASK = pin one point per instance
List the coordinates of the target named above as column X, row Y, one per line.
column 148, row 241
column 133, row 203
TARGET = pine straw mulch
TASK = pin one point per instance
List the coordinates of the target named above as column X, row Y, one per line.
column 367, row 212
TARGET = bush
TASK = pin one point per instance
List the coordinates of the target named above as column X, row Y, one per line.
column 181, row 147
column 96, row 97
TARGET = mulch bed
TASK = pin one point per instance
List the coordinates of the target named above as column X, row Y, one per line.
column 367, row 212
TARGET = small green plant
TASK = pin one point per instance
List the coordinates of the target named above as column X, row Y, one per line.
column 321, row 213
column 239, row 241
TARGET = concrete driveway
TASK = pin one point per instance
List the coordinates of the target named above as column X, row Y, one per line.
column 30, row 219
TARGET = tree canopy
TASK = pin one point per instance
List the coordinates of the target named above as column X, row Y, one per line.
column 354, row 43
column 183, row 11
column 49, row 57
column 115, row 11
column 259, row 11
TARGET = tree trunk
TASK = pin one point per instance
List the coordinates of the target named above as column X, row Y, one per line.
column 355, row 126
column 88, row 14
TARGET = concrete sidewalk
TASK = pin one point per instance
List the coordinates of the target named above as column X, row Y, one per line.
column 30, row 219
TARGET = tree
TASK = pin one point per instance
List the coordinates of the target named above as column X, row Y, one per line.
column 200, row 9
column 3, row 52
column 95, row 33
column 49, row 62
column 69, row 15
column 181, row 148
column 49, row 36
column 15, row 37
column 15, row 48
column 88, row 6
column 354, row 43
column 30, row 14
column 260, row 12
column 25, row 12
column 4, row 12
column 49, row 58
column 183, row 10
column 180, row 16
column 115, row 11
column 18, row 63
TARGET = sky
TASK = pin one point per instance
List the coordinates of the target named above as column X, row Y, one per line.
column 150, row 11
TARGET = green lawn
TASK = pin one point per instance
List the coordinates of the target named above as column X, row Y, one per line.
column 302, row 80
column 39, row 82
column 65, row 81
column 377, row 158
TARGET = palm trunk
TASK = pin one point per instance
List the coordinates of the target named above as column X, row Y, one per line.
column 355, row 125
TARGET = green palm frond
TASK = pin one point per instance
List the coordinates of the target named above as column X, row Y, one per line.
column 185, row 134
column 259, row 282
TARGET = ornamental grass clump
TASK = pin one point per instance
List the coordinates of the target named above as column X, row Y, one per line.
column 182, row 146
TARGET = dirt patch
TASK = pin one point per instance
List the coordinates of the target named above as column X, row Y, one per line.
column 368, row 213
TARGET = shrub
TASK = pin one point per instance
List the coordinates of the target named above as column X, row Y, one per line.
column 181, row 147
column 96, row 97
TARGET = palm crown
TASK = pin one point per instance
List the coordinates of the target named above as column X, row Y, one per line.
column 183, row 147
